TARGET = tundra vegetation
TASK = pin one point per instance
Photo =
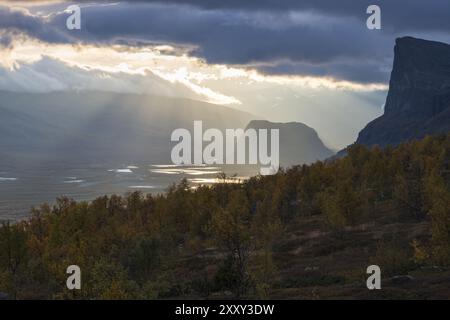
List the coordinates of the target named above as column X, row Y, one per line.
column 309, row 231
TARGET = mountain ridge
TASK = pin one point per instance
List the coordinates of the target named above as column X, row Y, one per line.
column 97, row 126
column 299, row 143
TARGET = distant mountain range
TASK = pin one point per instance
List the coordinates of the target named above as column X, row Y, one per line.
column 91, row 126
column 100, row 126
column 88, row 127
column 418, row 102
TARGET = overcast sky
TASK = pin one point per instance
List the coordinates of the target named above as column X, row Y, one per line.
column 312, row 61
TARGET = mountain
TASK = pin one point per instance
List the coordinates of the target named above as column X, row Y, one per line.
column 418, row 102
column 299, row 144
column 89, row 127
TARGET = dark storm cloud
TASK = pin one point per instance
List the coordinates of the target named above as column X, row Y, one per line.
column 234, row 37
column 13, row 21
column 324, row 38
column 358, row 72
column 261, row 39
column 400, row 15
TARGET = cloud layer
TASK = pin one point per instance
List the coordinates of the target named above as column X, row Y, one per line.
column 319, row 38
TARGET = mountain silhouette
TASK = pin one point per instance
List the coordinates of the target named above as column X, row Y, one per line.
column 418, row 101
column 299, row 144
column 92, row 126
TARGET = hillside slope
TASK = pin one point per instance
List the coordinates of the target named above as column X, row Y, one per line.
column 299, row 144
column 86, row 126
column 309, row 232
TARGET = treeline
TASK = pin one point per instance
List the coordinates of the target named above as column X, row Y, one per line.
column 198, row 242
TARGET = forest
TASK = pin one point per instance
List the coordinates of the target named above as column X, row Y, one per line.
column 307, row 232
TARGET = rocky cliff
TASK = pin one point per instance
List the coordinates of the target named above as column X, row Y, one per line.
column 418, row 102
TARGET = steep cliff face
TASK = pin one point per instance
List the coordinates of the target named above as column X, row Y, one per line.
column 418, row 102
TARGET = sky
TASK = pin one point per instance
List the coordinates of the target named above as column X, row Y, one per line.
column 311, row 61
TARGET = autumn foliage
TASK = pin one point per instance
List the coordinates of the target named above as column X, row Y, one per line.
column 223, row 239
